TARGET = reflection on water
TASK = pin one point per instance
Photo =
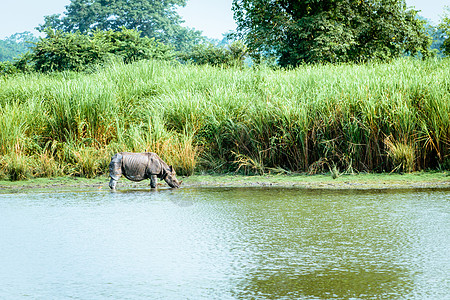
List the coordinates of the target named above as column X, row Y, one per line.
column 225, row 243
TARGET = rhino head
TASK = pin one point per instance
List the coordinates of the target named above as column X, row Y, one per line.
column 171, row 179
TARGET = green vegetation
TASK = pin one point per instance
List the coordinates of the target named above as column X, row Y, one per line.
column 14, row 52
column 61, row 51
column 15, row 45
column 102, row 81
column 154, row 19
column 444, row 28
column 315, row 118
column 294, row 32
column 216, row 55
column 66, row 51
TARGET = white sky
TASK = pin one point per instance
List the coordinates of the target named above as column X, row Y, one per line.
column 212, row 17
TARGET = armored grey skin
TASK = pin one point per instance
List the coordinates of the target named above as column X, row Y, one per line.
column 140, row 166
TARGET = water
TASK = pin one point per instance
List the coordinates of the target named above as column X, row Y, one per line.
column 216, row 243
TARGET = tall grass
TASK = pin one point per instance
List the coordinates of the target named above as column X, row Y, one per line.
column 378, row 117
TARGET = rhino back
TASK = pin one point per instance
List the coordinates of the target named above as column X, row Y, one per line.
column 134, row 166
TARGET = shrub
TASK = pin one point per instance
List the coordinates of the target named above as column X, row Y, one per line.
column 214, row 55
column 130, row 46
column 66, row 51
column 22, row 64
column 60, row 51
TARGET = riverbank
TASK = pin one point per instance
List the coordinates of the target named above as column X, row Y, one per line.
column 418, row 180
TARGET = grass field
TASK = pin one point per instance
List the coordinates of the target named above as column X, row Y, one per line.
column 316, row 118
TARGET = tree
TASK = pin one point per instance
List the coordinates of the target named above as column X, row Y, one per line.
column 15, row 45
column 438, row 38
column 445, row 29
column 329, row 30
column 155, row 19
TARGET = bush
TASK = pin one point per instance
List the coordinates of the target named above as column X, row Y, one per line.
column 210, row 54
column 130, row 46
column 22, row 64
column 7, row 68
column 61, row 51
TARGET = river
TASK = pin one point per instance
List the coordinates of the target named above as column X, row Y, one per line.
column 225, row 243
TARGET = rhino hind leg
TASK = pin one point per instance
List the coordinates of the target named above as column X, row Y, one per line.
column 153, row 181
column 115, row 170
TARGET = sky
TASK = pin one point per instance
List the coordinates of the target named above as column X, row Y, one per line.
column 212, row 17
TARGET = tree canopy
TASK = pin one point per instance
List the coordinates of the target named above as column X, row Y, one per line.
column 154, row 19
column 444, row 28
column 330, row 30
column 15, row 45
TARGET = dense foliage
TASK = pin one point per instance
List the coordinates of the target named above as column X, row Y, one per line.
column 154, row 19
column 74, row 51
column 62, row 51
column 444, row 27
column 216, row 55
column 330, row 30
column 373, row 117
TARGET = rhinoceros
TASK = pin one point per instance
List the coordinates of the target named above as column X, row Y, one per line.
column 140, row 166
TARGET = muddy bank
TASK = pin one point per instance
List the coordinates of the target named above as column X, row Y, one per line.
column 422, row 180
column 361, row 181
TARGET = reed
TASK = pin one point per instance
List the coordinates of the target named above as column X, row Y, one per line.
column 16, row 166
column 402, row 154
column 310, row 119
column 12, row 129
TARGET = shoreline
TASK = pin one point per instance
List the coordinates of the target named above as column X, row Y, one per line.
column 366, row 181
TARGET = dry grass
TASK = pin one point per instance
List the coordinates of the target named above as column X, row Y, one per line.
column 402, row 155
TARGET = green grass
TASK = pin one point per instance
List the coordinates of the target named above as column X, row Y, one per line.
column 315, row 118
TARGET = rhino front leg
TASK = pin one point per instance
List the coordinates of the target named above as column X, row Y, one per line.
column 112, row 184
column 153, row 181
